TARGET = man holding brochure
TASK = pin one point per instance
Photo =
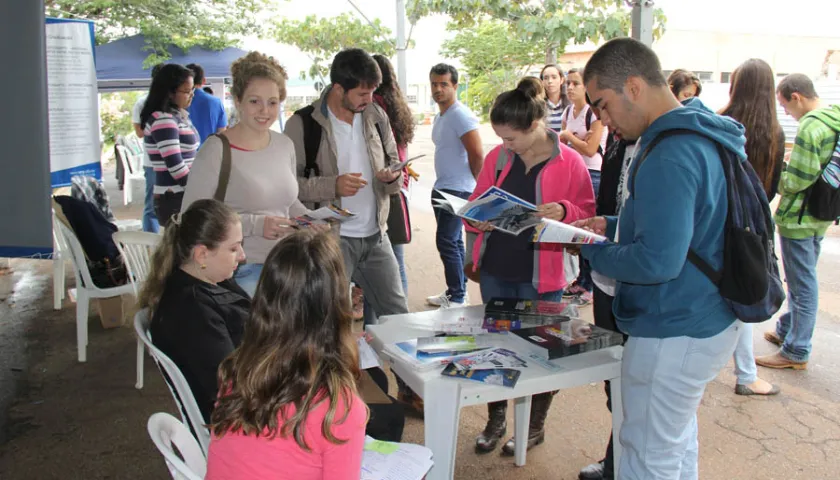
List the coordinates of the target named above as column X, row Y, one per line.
column 681, row 331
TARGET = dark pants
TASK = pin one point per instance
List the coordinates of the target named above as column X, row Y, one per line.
column 604, row 318
column 584, row 279
column 449, row 238
column 167, row 205
column 386, row 420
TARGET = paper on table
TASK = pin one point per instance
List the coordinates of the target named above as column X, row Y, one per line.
column 367, row 357
column 394, row 461
column 551, row 231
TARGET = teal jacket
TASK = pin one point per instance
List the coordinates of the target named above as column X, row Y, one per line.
column 678, row 201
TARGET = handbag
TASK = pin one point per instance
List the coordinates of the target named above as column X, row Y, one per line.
column 399, row 220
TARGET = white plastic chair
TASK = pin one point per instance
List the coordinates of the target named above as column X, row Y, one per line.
column 165, row 431
column 85, row 288
column 136, row 249
column 60, row 253
column 131, row 174
column 178, row 386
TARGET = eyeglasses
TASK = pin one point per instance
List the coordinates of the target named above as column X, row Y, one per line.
column 188, row 92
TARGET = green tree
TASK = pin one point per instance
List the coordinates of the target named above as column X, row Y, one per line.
column 322, row 38
column 550, row 24
column 214, row 24
column 491, row 59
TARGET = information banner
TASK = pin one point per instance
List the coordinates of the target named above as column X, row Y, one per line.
column 73, row 101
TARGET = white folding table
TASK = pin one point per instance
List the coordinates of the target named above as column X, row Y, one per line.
column 443, row 397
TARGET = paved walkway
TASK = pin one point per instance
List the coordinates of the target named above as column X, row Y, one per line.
column 86, row 421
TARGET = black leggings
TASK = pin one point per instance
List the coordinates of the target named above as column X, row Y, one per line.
column 387, row 420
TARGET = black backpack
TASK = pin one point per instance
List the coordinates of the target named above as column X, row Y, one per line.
column 822, row 199
column 749, row 280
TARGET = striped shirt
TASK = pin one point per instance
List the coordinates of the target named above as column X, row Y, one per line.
column 171, row 142
column 554, row 115
column 812, row 150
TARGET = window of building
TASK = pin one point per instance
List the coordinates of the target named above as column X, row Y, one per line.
column 725, row 76
column 411, row 98
column 705, row 77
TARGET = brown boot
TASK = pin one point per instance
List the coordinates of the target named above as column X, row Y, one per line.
column 495, row 429
column 536, row 431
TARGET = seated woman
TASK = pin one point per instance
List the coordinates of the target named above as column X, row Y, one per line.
column 288, row 407
column 198, row 312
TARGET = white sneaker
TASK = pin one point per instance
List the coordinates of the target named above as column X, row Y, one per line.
column 442, row 298
column 450, row 304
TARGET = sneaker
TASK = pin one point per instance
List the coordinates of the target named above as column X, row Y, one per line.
column 594, row 471
column 574, row 290
column 582, row 300
column 442, row 298
column 447, row 303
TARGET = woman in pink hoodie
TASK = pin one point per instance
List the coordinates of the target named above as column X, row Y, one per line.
column 532, row 164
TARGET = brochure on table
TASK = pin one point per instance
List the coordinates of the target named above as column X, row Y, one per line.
column 512, row 215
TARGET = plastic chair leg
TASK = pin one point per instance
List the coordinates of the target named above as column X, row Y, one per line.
column 58, row 282
column 140, row 359
column 82, row 309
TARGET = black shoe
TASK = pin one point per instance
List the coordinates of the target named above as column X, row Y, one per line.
column 594, row 471
column 495, row 429
column 534, row 439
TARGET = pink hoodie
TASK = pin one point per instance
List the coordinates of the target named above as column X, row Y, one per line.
column 564, row 180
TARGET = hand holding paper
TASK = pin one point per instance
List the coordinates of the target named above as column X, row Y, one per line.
column 399, row 166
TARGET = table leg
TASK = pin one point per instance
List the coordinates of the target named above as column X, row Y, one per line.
column 521, row 420
column 442, row 411
column 617, row 419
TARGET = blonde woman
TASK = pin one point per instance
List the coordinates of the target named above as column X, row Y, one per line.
column 262, row 187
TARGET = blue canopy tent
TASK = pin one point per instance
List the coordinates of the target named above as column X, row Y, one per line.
column 119, row 64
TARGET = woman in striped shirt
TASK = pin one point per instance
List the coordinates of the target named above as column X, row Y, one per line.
column 171, row 140
column 554, row 84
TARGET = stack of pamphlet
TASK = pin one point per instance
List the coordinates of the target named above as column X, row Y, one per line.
column 328, row 214
column 428, row 353
column 394, row 461
column 512, row 215
column 564, row 338
column 494, row 367
column 505, row 314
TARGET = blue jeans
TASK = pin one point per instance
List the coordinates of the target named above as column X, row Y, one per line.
column 449, row 238
column 150, row 221
column 744, row 357
column 796, row 327
column 247, row 276
column 496, row 287
column 662, row 383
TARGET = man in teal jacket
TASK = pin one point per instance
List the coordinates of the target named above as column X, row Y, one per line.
column 800, row 233
column 681, row 331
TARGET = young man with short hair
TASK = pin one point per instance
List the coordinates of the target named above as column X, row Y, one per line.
column 207, row 112
column 681, row 331
column 458, row 160
column 352, row 171
column 801, row 234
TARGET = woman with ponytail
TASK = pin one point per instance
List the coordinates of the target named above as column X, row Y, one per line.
column 198, row 312
column 535, row 165
column 288, row 407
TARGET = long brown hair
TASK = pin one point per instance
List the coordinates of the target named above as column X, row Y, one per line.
column 752, row 102
column 298, row 348
column 402, row 121
column 206, row 222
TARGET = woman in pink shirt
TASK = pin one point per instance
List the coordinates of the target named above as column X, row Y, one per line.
column 289, row 408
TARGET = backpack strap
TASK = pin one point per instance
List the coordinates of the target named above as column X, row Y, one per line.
column 311, row 140
column 388, row 159
column 692, row 256
column 501, row 160
column 589, row 115
column 224, row 171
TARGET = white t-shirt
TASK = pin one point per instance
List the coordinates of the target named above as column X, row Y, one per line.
column 353, row 157
column 135, row 118
column 577, row 126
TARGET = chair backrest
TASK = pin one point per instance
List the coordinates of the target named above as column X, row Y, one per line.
column 178, row 386
column 69, row 243
column 122, row 152
column 136, row 249
column 165, row 431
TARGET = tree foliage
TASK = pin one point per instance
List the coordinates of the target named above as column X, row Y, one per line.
column 322, row 38
column 551, row 24
column 491, row 59
column 214, row 24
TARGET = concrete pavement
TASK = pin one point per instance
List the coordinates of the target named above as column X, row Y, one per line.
column 69, row 420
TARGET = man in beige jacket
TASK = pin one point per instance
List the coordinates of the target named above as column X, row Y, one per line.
column 351, row 170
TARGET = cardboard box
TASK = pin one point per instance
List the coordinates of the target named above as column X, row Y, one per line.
column 115, row 311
